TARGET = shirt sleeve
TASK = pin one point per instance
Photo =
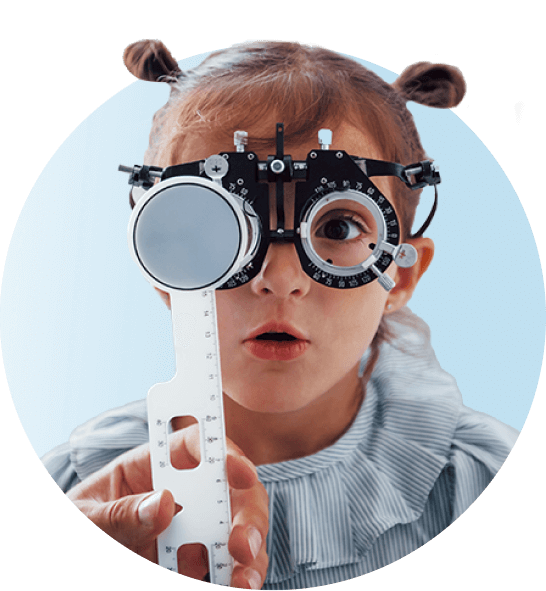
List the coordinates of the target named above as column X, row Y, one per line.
column 480, row 446
column 60, row 468
column 96, row 443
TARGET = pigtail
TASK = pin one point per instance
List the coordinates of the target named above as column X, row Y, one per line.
column 150, row 60
column 433, row 85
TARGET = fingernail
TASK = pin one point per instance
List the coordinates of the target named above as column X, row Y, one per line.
column 147, row 509
column 254, row 579
column 254, row 541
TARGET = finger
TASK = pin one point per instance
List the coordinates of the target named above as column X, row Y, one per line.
column 250, row 523
column 246, row 578
column 135, row 521
column 241, row 471
column 253, row 576
column 185, row 448
column 245, row 543
column 184, row 451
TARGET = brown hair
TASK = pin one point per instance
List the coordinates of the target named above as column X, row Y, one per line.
column 304, row 87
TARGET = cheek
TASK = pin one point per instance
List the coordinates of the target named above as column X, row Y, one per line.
column 232, row 329
column 354, row 316
column 231, row 314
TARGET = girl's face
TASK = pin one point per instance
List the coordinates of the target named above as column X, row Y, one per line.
column 333, row 327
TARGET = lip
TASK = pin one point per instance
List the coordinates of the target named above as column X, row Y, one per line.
column 278, row 326
column 276, row 350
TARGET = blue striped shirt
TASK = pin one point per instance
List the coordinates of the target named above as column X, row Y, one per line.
column 413, row 460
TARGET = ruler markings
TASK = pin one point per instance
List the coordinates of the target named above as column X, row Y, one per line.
column 195, row 390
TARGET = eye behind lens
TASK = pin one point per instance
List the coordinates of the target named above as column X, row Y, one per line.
column 340, row 231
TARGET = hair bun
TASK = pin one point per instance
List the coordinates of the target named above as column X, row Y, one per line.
column 434, row 85
column 150, row 60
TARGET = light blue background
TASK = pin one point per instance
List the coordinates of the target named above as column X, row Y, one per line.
column 82, row 331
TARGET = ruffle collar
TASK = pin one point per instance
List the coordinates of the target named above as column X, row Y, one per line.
column 327, row 510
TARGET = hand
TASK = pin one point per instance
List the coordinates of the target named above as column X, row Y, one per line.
column 118, row 499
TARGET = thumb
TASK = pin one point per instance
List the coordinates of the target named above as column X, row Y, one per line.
column 135, row 520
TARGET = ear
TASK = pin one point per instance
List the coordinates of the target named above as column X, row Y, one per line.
column 408, row 278
column 151, row 60
column 433, row 85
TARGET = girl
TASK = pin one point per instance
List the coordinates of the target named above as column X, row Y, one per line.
column 349, row 445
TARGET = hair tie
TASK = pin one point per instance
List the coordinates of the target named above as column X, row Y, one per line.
column 150, row 60
column 433, row 85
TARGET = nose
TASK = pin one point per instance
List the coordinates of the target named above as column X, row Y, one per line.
column 281, row 274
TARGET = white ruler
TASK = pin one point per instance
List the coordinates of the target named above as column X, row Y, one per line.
column 196, row 390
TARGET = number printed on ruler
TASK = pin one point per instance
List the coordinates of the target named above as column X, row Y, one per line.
column 196, row 391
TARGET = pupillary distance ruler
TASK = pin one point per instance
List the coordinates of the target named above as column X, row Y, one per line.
column 195, row 390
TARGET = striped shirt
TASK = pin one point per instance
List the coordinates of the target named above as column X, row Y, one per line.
column 413, row 460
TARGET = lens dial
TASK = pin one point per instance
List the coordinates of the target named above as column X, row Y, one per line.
column 348, row 232
column 188, row 233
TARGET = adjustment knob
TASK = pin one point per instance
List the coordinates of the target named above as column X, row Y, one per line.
column 325, row 138
column 405, row 255
column 240, row 140
column 384, row 280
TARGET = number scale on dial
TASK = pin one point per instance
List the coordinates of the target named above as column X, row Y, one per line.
column 196, row 390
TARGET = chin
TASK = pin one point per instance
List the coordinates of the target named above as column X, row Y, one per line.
column 273, row 403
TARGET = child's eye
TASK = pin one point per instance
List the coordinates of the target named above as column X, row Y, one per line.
column 340, row 229
column 344, row 237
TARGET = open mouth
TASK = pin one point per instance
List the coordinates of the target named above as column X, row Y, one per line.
column 276, row 336
column 272, row 343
